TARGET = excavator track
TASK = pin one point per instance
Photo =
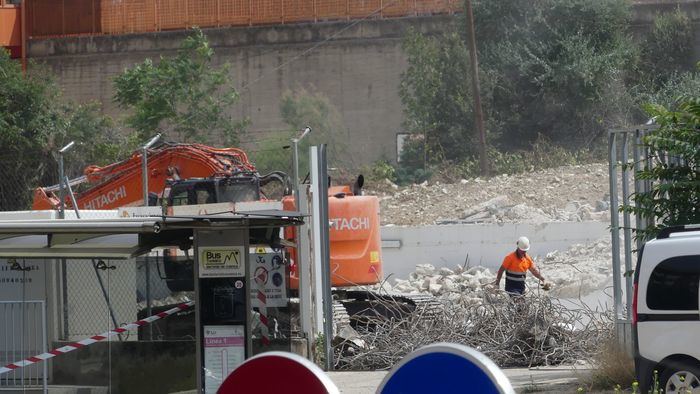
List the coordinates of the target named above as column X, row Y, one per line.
column 367, row 308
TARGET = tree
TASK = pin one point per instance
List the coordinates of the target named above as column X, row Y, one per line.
column 185, row 97
column 36, row 121
column 549, row 67
column 667, row 51
column 299, row 109
column 436, row 94
column 557, row 69
column 673, row 169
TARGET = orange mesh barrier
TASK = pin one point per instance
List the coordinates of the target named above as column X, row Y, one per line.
column 47, row 18
column 397, row 7
column 203, row 13
column 139, row 16
column 298, row 10
column 364, row 8
column 234, row 12
column 173, row 14
column 79, row 16
column 267, row 11
column 331, row 9
column 433, row 6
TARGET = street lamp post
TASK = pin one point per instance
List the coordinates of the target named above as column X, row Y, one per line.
column 144, row 168
column 61, row 192
column 296, row 141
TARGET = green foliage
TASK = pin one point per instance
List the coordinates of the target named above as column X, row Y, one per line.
column 674, row 169
column 184, row 97
column 550, row 67
column 436, row 95
column 36, row 121
column 670, row 93
column 380, row 170
column 667, row 50
column 554, row 67
column 299, row 109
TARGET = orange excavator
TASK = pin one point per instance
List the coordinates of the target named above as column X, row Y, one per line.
column 190, row 174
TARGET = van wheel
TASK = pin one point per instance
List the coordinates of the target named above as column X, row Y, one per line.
column 681, row 379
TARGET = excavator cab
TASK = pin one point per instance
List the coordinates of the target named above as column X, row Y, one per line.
column 195, row 191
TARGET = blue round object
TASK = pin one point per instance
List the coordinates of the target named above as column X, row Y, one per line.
column 446, row 369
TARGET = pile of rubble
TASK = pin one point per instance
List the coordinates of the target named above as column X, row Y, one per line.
column 578, row 271
column 543, row 328
column 530, row 331
column 568, row 193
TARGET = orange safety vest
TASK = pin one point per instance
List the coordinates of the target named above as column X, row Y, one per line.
column 516, row 267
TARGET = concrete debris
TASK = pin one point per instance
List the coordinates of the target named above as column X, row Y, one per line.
column 568, row 193
column 578, row 271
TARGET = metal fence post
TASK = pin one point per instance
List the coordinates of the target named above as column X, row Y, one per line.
column 627, row 231
column 615, row 225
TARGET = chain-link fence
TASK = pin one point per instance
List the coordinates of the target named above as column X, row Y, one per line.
column 20, row 175
column 104, row 294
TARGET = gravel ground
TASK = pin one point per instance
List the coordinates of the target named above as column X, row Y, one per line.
column 546, row 195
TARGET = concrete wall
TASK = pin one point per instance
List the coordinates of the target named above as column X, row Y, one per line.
column 357, row 65
column 482, row 244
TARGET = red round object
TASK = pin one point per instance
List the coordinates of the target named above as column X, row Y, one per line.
column 278, row 372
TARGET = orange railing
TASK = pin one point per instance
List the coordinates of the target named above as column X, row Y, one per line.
column 49, row 18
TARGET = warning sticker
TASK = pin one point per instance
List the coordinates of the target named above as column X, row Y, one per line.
column 268, row 272
column 221, row 261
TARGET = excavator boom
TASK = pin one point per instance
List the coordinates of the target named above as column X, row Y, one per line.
column 120, row 184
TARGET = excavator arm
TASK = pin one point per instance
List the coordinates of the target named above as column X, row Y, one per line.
column 120, row 184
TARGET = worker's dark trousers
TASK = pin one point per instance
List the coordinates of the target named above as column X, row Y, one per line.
column 515, row 288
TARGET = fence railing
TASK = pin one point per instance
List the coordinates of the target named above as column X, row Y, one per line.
column 22, row 335
column 49, row 18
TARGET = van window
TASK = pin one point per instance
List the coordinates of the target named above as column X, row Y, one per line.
column 673, row 284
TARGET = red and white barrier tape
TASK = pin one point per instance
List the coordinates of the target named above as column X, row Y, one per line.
column 93, row 339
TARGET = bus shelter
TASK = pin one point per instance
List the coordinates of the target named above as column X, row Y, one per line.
column 234, row 257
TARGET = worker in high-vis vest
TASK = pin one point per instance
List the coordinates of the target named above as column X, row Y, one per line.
column 515, row 265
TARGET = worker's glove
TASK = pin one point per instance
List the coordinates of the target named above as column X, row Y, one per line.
column 545, row 286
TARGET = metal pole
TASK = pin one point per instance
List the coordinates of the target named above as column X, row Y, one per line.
column 627, row 231
column 144, row 168
column 62, row 215
column 61, row 175
column 72, row 198
column 304, row 268
column 325, row 238
column 614, row 226
column 148, row 297
column 637, row 183
column 61, row 195
column 106, row 296
column 316, row 284
column 295, row 174
column 295, row 142
column 43, row 346
column 319, row 180
column 478, row 113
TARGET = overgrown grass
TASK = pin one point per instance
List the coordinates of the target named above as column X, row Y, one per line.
column 415, row 168
column 614, row 370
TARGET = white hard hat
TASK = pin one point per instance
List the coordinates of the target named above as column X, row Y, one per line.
column 523, row 244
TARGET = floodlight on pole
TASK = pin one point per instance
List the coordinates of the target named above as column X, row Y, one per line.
column 144, row 166
column 61, row 176
column 296, row 141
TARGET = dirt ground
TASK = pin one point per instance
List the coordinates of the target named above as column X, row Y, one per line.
column 545, row 195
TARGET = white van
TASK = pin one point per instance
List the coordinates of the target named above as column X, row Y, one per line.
column 666, row 315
